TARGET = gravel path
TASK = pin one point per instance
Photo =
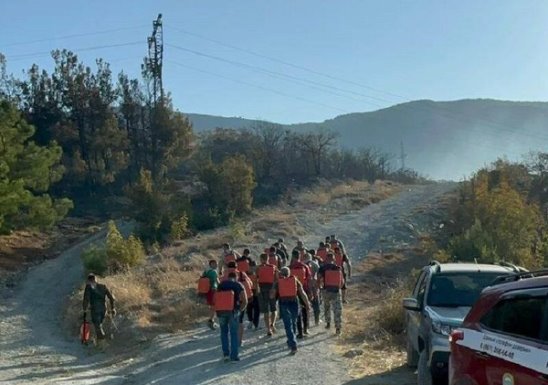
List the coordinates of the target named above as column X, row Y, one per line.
column 34, row 350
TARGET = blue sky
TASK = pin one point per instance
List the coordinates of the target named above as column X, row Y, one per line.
column 394, row 50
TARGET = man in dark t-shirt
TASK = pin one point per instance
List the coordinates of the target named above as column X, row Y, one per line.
column 95, row 296
column 229, row 320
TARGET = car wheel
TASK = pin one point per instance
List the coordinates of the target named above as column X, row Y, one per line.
column 412, row 355
column 424, row 376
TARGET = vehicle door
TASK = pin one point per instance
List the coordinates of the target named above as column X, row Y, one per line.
column 414, row 317
column 517, row 352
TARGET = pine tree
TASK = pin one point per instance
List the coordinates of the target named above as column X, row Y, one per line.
column 27, row 171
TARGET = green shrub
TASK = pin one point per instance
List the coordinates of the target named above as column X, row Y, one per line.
column 237, row 229
column 118, row 253
column 122, row 253
column 95, row 260
column 179, row 228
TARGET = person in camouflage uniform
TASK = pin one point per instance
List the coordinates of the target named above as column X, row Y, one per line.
column 332, row 296
column 95, row 296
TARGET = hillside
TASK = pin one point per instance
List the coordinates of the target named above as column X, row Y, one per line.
column 445, row 140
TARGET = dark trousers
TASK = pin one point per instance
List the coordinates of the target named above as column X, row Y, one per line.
column 302, row 320
column 253, row 311
column 97, row 318
column 288, row 312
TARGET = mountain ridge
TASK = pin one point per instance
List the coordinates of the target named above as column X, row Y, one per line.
column 442, row 139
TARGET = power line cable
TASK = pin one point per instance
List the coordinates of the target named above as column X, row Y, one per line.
column 255, row 86
column 93, row 48
column 303, row 68
column 73, row 36
column 279, row 75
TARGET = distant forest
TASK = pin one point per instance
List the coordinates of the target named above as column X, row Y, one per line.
column 84, row 141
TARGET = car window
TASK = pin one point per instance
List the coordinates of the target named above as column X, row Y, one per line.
column 521, row 316
column 458, row 289
column 419, row 282
column 421, row 287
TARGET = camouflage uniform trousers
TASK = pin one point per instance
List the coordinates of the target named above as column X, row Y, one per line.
column 333, row 301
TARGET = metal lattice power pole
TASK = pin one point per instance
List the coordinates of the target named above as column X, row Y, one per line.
column 403, row 156
column 155, row 59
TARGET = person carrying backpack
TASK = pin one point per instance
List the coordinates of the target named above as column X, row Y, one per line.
column 95, row 296
column 333, row 281
column 342, row 260
column 213, row 277
column 247, row 265
column 246, row 282
column 267, row 274
column 230, row 301
column 313, row 284
column 301, row 271
column 227, row 255
column 289, row 290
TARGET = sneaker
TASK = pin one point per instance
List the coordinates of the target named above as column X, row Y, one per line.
column 306, row 333
column 234, row 360
column 249, row 326
column 226, row 358
column 211, row 324
column 328, row 325
column 338, row 331
column 300, row 336
column 269, row 334
column 345, row 301
column 293, row 351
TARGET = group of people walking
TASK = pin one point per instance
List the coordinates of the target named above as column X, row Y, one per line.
column 290, row 285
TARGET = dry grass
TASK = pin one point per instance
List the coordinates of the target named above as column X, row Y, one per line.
column 157, row 298
column 374, row 321
column 160, row 296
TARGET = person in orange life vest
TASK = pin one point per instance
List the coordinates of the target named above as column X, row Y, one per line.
column 302, row 272
column 230, row 301
column 300, row 248
column 267, row 275
column 332, row 277
column 247, row 265
column 246, row 282
column 211, row 274
column 321, row 252
column 289, row 290
column 341, row 260
column 274, row 258
column 313, row 284
column 336, row 242
column 227, row 255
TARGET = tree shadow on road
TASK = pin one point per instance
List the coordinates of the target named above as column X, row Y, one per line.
column 401, row 375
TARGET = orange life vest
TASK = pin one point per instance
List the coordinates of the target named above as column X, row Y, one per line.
column 227, row 272
column 299, row 273
column 243, row 265
column 204, row 285
column 333, row 279
column 321, row 253
column 224, row 300
column 229, row 258
column 247, row 284
column 266, row 273
column 273, row 259
column 287, row 287
column 253, row 278
column 339, row 260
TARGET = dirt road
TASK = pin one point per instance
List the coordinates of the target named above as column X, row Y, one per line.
column 34, row 350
